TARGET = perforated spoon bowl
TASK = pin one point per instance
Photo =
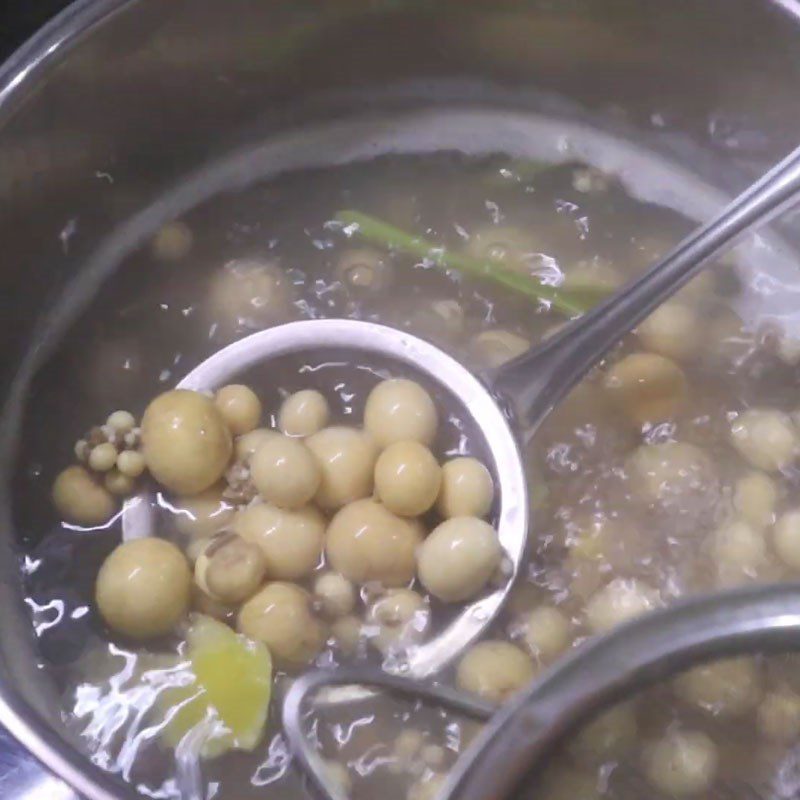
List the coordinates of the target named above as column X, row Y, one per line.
column 405, row 352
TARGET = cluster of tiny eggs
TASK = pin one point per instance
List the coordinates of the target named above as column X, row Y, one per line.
column 109, row 464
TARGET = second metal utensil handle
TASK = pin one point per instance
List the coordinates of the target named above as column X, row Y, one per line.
column 539, row 379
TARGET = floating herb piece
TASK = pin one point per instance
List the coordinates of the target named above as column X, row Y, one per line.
column 382, row 233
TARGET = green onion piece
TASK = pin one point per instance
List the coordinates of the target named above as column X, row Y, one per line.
column 381, row 233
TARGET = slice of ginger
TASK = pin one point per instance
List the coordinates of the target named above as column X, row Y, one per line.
column 225, row 705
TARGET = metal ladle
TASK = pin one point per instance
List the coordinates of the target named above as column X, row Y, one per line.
column 636, row 654
column 407, row 355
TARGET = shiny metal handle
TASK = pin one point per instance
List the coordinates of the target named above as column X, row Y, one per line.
column 614, row 667
column 537, row 380
column 353, row 684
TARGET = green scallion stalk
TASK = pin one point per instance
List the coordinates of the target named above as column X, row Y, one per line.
column 381, row 233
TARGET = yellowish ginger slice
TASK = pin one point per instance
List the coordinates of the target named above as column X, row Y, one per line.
column 226, row 704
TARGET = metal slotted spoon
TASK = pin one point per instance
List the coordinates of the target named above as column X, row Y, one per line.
column 531, row 386
column 411, row 356
column 638, row 654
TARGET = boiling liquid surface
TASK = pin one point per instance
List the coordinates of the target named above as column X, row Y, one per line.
column 156, row 318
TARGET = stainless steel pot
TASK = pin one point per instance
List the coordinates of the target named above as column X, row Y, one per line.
column 115, row 101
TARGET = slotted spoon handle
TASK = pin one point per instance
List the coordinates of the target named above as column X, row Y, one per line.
column 540, row 378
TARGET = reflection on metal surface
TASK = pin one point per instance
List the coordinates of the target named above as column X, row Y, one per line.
column 59, row 33
column 23, row 778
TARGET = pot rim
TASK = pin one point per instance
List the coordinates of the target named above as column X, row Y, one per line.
column 51, row 41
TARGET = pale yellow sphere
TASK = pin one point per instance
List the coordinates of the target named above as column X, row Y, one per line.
column 131, row 463
column 682, row 763
column 364, row 270
column 399, row 409
column 458, row 558
column 346, row 633
column 778, row 717
column 196, row 547
column 620, row 601
column 433, row 755
column 239, row 406
column 249, row 294
column 594, row 538
column 397, row 619
column 121, row 421
column 494, row 348
column 291, row 541
column 672, row 330
column 667, row 472
column 786, row 539
column 427, row 787
column 789, row 350
column 755, row 497
column 503, row 244
column 437, row 320
column 230, row 569
column 285, row 472
column 546, row 632
column 740, row 554
column 523, row 597
column 567, row 782
column 494, row 670
column 303, row 413
column 335, row 594
column 407, row 478
column 593, row 275
column 118, row 483
column 143, row 588
column 80, row 500
column 766, row 438
column 728, row 688
column 699, row 289
column 366, row 542
column 280, row 616
column 172, row 241
column 407, row 748
column 609, row 736
column 185, row 441
column 103, row 457
column 647, row 387
column 346, row 458
column 203, row 514
column 467, row 489
column 247, row 444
